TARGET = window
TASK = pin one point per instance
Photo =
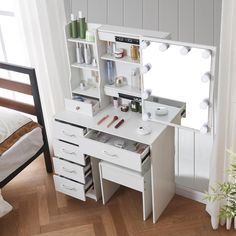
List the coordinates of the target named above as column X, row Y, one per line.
column 12, row 46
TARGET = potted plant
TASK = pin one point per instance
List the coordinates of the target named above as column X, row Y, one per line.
column 226, row 192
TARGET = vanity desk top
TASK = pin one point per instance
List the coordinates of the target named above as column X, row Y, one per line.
column 127, row 130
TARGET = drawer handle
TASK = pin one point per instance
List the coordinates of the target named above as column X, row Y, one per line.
column 109, row 154
column 69, row 188
column 77, row 108
column 68, row 152
column 67, row 134
column 69, row 171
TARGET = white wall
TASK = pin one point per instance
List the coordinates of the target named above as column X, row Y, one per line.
column 196, row 21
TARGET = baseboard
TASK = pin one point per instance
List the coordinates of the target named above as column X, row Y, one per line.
column 190, row 193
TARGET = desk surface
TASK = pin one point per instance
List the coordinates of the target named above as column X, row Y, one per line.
column 127, row 130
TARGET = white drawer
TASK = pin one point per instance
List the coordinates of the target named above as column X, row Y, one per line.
column 72, row 188
column 68, row 152
column 123, row 176
column 67, row 132
column 71, row 170
column 110, row 153
column 82, row 107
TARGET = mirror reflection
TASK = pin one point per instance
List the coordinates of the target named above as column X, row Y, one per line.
column 184, row 74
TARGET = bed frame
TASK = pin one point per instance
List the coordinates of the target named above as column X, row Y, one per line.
column 35, row 110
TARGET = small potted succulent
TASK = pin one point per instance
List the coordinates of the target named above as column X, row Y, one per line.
column 226, row 192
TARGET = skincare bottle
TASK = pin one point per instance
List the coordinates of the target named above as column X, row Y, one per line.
column 82, row 26
column 135, row 79
column 73, row 27
column 110, row 73
column 79, row 53
column 87, row 55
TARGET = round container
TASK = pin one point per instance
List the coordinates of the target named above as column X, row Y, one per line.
column 119, row 81
column 118, row 53
column 90, row 36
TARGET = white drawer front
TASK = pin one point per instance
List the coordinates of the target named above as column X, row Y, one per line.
column 123, row 176
column 70, row 188
column 69, row 170
column 113, row 154
column 81, row 107
column 68, row 152
column 67, row 132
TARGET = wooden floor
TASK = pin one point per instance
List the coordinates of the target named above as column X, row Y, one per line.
column 39, row 210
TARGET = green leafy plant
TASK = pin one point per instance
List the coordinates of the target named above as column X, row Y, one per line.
column 226, row 191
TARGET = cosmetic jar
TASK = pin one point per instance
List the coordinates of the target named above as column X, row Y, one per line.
column 118, row 53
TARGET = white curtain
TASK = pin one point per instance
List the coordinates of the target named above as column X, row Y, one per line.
column 43, row 23
column 226, row 109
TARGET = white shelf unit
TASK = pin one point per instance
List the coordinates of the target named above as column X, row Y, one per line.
column 112, row 90
column 125, row 59
column 85, row 66
column 84, row 72
column 90, row 92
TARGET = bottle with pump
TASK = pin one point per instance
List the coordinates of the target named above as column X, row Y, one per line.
column 82, row 26
column 73, row 27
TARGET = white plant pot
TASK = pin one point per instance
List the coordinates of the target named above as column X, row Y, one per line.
column 234, row 222
column 228, row 223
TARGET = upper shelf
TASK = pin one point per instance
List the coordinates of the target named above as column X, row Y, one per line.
column 125, row 59
column 78, row 40
column 85, row 66
column 90, row 92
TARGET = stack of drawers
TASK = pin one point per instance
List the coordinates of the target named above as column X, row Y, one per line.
column 73, row 171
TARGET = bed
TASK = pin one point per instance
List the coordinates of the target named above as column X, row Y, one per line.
column 33, row 143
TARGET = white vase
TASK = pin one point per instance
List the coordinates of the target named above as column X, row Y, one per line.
column 228, row 223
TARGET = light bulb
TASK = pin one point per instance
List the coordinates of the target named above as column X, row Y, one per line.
column 163, row 47
column 144, row 44
column 146, row 68
column 206, row 77
column 185, row 50
column 206, row 54
column 146, row 94
column 204, row 129
column 205, row 104
column 146, row 116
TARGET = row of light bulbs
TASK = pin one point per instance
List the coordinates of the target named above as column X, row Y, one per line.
column 183, row 51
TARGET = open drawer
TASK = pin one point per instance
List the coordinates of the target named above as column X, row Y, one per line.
column 72, row 188
column 67, row 132
column 71, row 170
column 69, row 152
column 123, row 152
column 88, row 107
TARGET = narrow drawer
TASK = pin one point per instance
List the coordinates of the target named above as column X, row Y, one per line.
column 72, row 188
column 67, row 132
column 86, row 108
column 69, row 152
column 71, row 170
column 123, row 176
column 108, row 152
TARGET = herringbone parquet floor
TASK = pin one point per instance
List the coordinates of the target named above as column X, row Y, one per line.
column 39, row 210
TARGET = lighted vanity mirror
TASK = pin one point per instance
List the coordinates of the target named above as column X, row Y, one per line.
column 178, row 75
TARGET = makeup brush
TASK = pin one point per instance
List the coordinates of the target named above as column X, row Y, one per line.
column 114, row 119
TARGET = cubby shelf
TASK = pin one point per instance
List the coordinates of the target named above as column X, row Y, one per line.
column 125, row 59
column 85, row 66
column 112, row 90
column 90, row 92
column 78, row 40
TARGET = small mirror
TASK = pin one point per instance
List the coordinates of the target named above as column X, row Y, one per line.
column 180, row 76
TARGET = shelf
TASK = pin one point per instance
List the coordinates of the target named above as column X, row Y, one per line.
column 85, row 66
column 90, row 92
column 112, row 90
column 125, row 59
column 78, row 40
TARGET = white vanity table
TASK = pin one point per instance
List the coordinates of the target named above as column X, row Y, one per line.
column 87, row 162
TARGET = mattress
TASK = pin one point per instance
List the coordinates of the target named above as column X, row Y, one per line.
column 25, row 148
